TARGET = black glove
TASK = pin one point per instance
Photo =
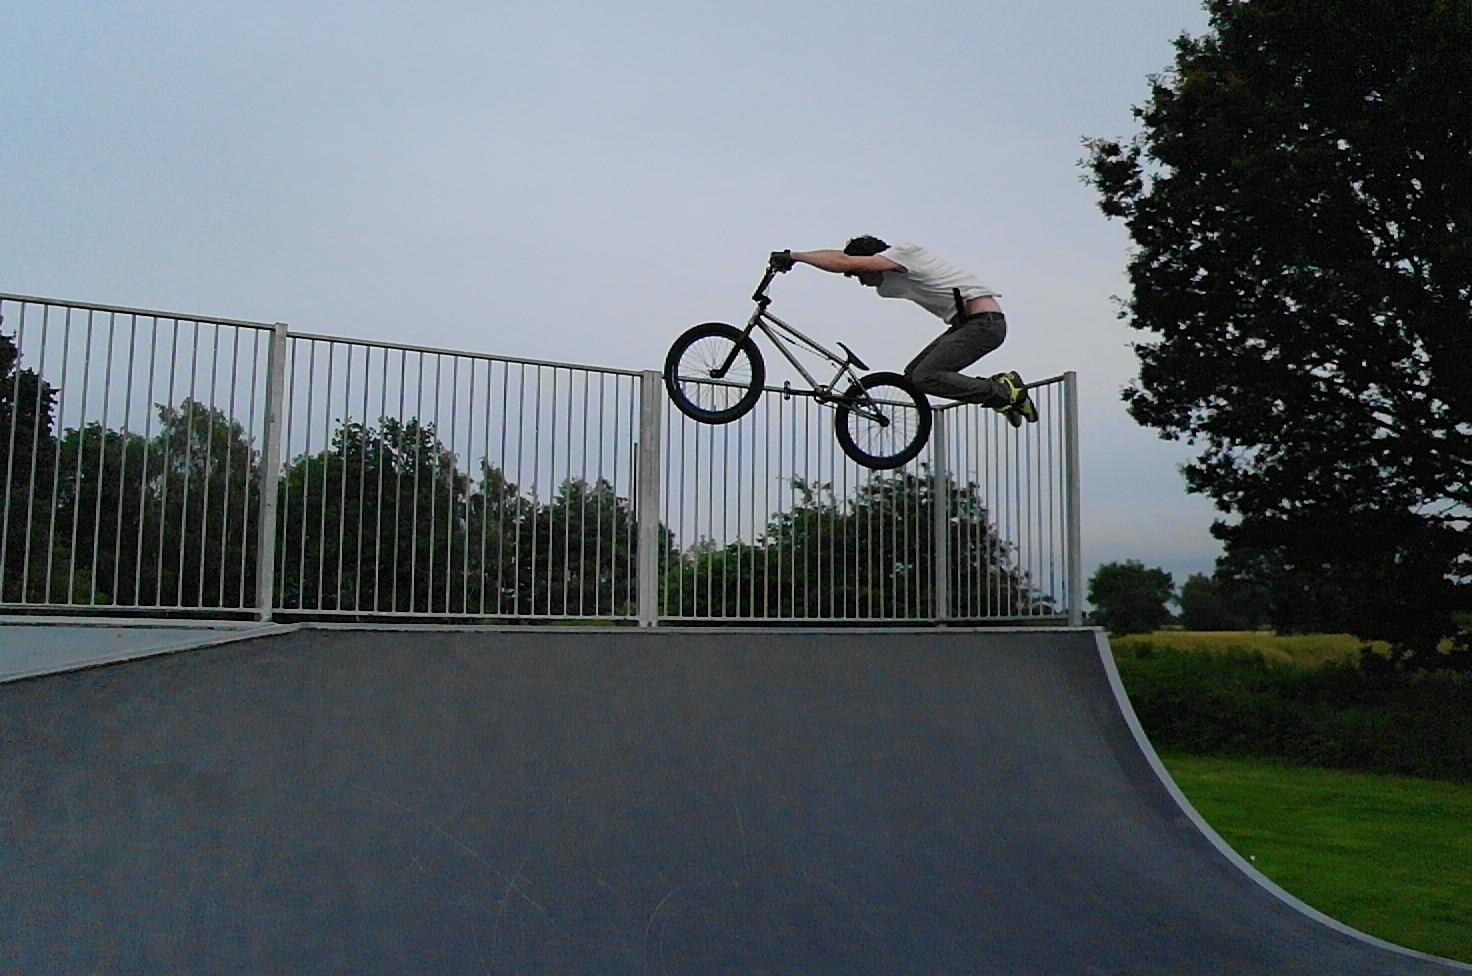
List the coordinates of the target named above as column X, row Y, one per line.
column 781, row 261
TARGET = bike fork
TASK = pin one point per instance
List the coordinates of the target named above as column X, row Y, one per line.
column 720, row 373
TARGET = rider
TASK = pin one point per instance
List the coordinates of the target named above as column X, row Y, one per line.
column 910, row 271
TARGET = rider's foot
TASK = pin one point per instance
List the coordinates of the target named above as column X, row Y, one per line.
column 1019, row 406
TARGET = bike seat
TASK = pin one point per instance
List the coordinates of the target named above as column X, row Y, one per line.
column 855, row 360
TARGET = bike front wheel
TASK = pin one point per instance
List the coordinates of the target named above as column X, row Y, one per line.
column 714, row 373
column 883, row 422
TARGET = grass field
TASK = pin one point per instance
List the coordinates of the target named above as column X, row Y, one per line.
column 1387, row 855
column 1305, row 650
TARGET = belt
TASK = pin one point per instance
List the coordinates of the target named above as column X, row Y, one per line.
column 988, row 315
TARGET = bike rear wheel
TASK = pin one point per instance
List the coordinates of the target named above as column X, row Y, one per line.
column 883, row 421
column 714, row 373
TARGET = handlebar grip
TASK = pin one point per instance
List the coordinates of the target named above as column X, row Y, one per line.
column 760, row 295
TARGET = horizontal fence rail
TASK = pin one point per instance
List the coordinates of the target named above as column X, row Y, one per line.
column 157, row 463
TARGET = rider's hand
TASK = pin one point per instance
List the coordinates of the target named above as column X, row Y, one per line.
column 781, row 261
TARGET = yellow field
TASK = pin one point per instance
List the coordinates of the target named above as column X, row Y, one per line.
column 1305, row 650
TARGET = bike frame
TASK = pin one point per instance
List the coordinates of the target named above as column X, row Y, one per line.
column 780, row 332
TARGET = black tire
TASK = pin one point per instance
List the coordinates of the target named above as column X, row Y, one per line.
column 897, row 435
column 693, row 359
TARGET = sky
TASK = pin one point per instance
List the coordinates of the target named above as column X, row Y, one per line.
column 581, row 181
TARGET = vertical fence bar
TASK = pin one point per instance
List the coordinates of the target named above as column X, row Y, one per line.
column 651, row 402
column 270, row 465
column 1072, row 499
column 940, row 494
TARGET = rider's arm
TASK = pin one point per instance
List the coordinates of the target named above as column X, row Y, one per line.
column 840, row 263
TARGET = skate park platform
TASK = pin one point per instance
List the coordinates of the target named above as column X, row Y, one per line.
column 606, row 800
column 33, row 646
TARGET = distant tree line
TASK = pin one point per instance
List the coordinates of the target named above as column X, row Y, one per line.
column 1128, row 598
column 382, row 519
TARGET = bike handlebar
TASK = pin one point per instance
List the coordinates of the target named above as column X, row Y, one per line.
column 760, row 295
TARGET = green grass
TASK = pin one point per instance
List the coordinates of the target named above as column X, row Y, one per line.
column 1388, row 855
column 1304, row 650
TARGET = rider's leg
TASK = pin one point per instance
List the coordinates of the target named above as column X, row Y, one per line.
column 937, row 369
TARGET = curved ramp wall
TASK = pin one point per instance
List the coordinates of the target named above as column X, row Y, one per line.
column 618, row 801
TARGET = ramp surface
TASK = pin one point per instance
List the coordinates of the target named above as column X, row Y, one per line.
column 610, row 801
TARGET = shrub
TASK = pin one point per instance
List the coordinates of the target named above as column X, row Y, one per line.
column 1130, row 599
column 1337, row 715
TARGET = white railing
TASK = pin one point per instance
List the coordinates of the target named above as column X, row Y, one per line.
column 156, row 463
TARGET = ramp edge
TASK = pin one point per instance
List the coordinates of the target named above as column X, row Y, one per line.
column 204, row 636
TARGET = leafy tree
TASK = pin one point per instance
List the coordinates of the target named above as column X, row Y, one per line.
column 108, row 516
column 28, row 469
column 375, row 522
column 869, row 555
column 1212, row 603
column 204, row 488
column 384, row 520
column 583, row 559
column 1300, row 200
column 167, row 521
column 1130, row 599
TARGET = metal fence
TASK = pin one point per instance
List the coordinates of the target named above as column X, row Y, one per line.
column 450, row 484
column 127, row 444
column 167, row 464
column 775, row 521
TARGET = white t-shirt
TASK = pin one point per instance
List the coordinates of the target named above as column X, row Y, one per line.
column 927, row 281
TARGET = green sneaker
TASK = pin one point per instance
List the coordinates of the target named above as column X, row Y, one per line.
column 1011, row 385
column 1011, row 391
column 1019, row 406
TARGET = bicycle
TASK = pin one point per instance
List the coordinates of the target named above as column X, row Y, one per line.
column 715, row 374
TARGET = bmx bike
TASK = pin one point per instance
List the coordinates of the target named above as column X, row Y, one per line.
column 715, row 374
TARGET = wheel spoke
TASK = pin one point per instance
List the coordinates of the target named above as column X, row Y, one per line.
column 697, row 374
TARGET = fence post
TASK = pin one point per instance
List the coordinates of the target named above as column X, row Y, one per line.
column 270, row 473
column 646, row 493
column 1072, row 496
column 940, row 502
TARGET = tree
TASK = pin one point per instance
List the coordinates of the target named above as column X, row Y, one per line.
column 108, row 515
column 1212, row 603
column 27, row 481
column 383, row 519
column 1300, row 201
column 166, row 521
column 1130, row 599
column 376, row 521
column 867, row 555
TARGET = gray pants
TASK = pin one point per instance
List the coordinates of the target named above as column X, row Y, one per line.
column 937, row 369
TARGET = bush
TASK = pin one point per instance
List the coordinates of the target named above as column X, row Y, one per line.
column 1130, row 599
column 1336, row 716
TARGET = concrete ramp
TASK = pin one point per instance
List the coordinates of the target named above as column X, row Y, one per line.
column 589, row 801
